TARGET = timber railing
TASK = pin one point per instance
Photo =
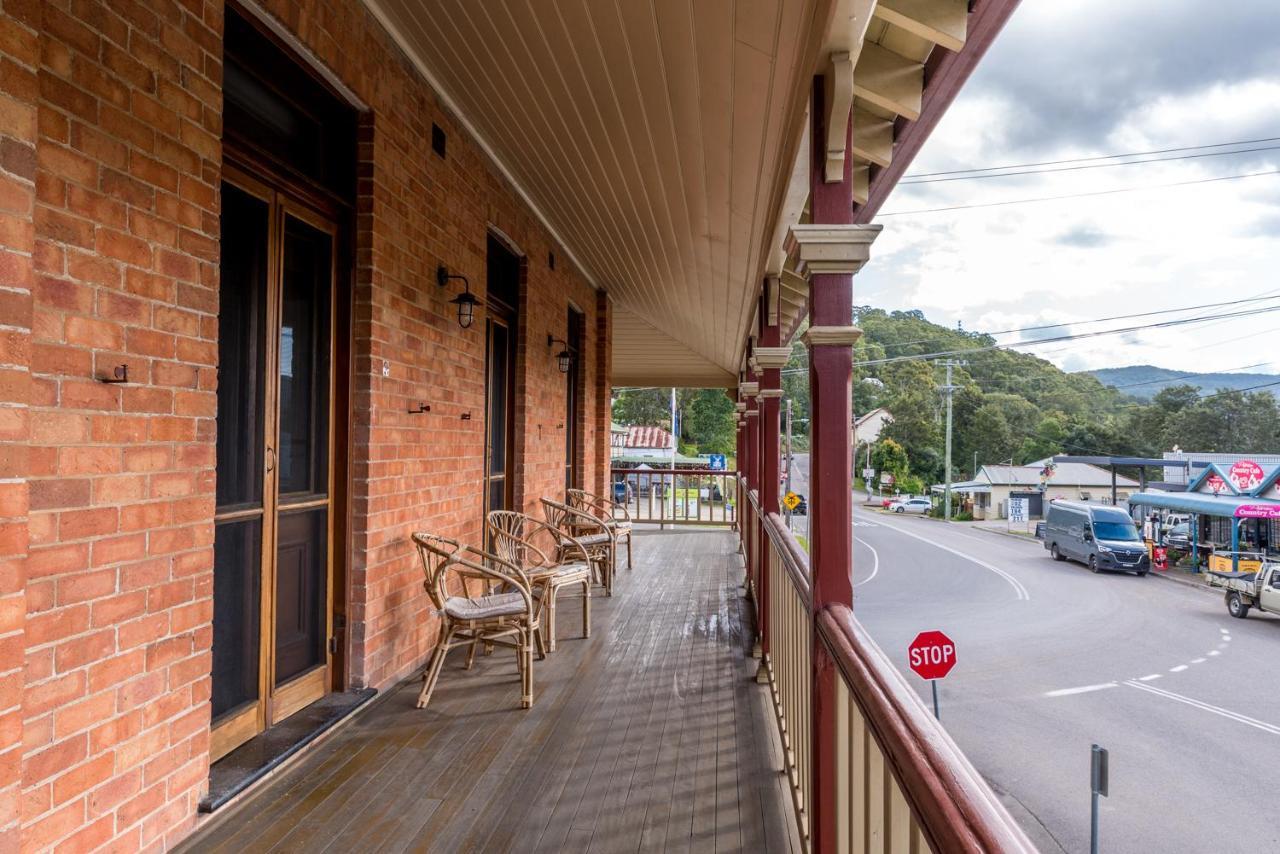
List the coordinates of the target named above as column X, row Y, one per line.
column 678, row 496
column 898, row 782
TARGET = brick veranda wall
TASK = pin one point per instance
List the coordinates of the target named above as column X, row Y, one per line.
column 110, row 153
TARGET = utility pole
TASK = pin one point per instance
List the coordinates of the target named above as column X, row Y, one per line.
column 949, row 390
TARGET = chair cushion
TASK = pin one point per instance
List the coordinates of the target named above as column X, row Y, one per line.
column 485, row 607
column 563, row 573
column 619, row 524
column 601, row 539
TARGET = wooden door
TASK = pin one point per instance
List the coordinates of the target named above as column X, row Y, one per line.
column 274, row 522
column 501, row 330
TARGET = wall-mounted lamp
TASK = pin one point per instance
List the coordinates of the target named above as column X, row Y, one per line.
column 564, row 358
column 465, row 301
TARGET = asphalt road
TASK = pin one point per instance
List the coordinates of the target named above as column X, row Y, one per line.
column 1052, row 658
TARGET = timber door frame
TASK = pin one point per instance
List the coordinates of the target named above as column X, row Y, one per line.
column 274, row 703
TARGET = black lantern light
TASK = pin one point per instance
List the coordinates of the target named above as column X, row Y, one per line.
column 564, row 358
column 465, row 301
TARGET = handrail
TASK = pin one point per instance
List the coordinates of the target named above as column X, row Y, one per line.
column 621, row 470
column 794, row 559
column 954, row 806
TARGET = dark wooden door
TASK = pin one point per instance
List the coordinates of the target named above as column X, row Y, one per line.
column 501, row 303
column 274, row 534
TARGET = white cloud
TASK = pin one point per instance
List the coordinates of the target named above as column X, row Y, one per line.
column 1074, row 260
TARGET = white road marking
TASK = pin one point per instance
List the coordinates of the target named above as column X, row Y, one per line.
column 1178, row 669
column 875, row 566
column 1214, row 652
column 1208, row 707
column 1199, row 660
column 1226, row 637
column 1083, row 689
column 1013, row 582
column 1149, row 677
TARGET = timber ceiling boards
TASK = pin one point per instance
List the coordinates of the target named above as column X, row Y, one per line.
column 655, row 139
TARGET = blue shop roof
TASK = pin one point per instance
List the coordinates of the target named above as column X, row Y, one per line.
column 1195, row 502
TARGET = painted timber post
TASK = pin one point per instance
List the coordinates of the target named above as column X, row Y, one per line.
column 769, row 357
column 831, row 249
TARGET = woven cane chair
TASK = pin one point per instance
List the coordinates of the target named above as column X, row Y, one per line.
column 614, row 514
column 556, row 563
column 589, row 532
column 505, row 614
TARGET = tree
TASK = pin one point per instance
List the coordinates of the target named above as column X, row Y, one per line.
column 888, row 456
column 643, row 407
column 707, row 421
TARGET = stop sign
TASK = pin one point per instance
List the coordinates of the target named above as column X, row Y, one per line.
column 931, row 655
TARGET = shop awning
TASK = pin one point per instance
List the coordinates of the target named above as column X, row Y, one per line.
column 1195, row 502
column 969, row 487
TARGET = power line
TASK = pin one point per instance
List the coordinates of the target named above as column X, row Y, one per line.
column 1098, row 319
column 1096, row 157
column 1164, row 324
column 1080, row 195
column 1082, row 166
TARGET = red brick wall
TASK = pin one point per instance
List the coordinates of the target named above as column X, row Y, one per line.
column 417, row 210
column 108, row 255
column 19, row 45
column 121, row 477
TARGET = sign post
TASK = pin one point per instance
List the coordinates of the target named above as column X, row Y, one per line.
column 931, row 656
column 1019, row 511
column 1098, row 786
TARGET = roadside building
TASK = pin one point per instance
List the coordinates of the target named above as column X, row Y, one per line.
column 1234, row 511
column 1199, row 460
column 867, row 428
column 1039, row 482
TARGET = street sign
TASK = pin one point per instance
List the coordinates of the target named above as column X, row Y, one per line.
column 1018, row 508
column 791, row 501
column 716, row 462
column 868, row 473
column 886, row 478
column 931, row 655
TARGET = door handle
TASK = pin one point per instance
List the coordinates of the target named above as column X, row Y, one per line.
column 271, row 459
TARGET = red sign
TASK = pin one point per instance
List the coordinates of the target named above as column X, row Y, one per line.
column 1245, row 475
column 931, row 655
column 1258, row 511
column 1215, row 483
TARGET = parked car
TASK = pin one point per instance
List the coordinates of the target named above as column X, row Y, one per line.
column 1179, row 537
column 802, row 509
column 621, row 491
column 912, row 505
column 1096, row 535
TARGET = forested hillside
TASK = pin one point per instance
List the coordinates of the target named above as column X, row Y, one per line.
column 1012, row 405
column 1145, row 381
column 1008, row 405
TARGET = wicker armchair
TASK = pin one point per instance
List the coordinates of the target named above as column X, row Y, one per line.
column 515, row 539
column 588, row 532
column 614, row 514
column 505, row 614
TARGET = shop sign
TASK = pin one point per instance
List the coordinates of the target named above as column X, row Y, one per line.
column 1215, row 483
column 1258, row 511
column 1245, row 475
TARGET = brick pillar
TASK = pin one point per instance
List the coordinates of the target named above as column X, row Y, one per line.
column 17, row 244
column 832, row 249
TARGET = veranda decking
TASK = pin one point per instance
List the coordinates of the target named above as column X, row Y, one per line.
column 649, row 736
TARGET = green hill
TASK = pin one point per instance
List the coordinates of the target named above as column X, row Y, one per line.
column 1012, row 405
column 1145, row 381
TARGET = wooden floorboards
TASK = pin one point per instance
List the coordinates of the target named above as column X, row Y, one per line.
column 649, row 736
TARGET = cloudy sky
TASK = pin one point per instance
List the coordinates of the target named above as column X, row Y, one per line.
column 1083, row 79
